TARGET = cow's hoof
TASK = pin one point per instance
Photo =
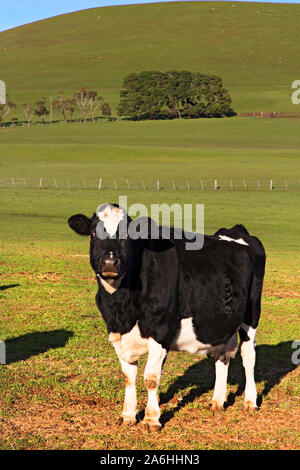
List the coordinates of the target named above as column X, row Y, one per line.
column 249, row 407
column 151, row 427
column 126, row 421
column 215, row 407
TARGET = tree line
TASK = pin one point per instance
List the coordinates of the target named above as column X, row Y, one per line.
column 86, row 101
column 173, row 94
column 145, row 95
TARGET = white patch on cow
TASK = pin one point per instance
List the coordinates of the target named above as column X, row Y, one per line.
column 110, row 289
column 228, row 239
column 111, row 217
column 131, row 345
column 186, row 339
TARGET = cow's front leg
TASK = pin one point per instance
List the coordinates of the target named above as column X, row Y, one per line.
column 152, row 375
column 128, row 416
column 129, row 370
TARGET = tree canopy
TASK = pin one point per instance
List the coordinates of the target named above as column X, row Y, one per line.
column 173, row 94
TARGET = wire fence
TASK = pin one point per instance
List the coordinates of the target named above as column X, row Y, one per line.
column 159, row 184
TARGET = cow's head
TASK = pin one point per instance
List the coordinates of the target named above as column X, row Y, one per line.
column 110, row 246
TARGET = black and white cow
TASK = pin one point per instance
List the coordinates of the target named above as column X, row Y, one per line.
column 155, row 296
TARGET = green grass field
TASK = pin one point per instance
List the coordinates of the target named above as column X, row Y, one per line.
column 252, row 47
column 62, row 387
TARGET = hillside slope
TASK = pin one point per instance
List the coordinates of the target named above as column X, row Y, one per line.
column 253, row 47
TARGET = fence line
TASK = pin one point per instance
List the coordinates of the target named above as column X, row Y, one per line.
column 160, row 184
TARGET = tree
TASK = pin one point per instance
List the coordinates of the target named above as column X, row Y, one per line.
column 28, row 111
column 83, row 101
column 41, row 110
column 61, row 104
column 106, row 111
column 208, row 97
column 5, row 109
column 70, row 108
column 142, row 95
column 177, row 91
column 173, row 94
column 94, row 102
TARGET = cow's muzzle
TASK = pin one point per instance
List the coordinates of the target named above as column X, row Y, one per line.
column 110, row 267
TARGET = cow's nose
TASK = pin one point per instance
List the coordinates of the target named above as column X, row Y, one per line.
column 109, row 264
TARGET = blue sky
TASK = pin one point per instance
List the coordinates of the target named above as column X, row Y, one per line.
column 17, row 12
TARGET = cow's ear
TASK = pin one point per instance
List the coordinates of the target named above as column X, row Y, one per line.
column 80, row 224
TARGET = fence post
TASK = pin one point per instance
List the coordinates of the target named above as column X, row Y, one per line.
column 202, row 186
column 143, row 184
column 174, row 186
column 271, row 185
column 13, row 182
column 157, row 185
column 188, row 185
column 100, row 183
column 41, row 181
column 2, row 353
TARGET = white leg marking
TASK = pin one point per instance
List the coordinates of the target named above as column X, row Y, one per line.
column 220, row 388
column 130, row 401
column 152, row 375
column 248, row 355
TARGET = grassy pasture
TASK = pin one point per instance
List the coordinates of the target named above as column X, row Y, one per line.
column 252, row 47
column 62, row 387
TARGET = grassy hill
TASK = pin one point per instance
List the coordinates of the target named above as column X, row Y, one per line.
column 253, row 47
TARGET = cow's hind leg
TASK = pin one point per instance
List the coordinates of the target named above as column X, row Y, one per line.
column 221, row 368
column 152, row 375
column 248, row 355
column 220, row 388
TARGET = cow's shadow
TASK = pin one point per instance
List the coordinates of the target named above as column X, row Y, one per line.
column 22, row 347
column 273, row 362
column 8, row 286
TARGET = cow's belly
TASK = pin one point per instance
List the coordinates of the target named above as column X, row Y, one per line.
column 186, row 340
